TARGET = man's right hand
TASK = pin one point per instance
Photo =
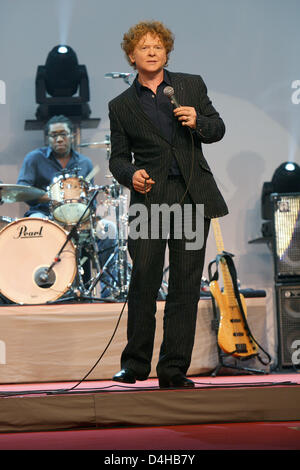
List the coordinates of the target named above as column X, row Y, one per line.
column 142, row 182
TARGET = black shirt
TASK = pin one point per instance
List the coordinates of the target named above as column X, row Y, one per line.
column 159, row 109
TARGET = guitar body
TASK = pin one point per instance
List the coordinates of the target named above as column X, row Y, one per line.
column 233, row 337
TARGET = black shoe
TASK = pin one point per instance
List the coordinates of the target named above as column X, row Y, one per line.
column 177, row 381
column 127, row 376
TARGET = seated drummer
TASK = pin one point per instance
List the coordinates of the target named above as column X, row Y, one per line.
column 41, row 165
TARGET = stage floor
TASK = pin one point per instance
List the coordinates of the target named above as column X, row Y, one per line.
column 106, row 404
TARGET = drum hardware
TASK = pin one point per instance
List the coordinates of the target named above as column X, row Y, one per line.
column 79, row 290
column 116, row 266
column 118, row 260
column 4, row 220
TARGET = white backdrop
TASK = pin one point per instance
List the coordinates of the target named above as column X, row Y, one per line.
column 247, row 51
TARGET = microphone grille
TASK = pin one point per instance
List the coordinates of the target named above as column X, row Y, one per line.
column 169, row 91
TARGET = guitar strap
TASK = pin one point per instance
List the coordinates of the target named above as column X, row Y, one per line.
column 227, row 257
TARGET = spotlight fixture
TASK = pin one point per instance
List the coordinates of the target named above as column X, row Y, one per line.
column 62, row 85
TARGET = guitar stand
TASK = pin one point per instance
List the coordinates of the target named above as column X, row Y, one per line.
column 222, row 354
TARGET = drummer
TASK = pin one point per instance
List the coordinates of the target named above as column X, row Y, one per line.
column 41, row 165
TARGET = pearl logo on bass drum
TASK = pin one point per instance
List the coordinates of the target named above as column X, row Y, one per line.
column 24, row 232
column 35, row 243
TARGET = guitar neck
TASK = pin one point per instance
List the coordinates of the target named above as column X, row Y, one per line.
column 228, row 287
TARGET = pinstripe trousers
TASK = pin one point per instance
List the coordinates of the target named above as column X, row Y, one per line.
column 185, row 272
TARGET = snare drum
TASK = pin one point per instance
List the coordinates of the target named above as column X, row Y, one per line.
column 28, row 247
column 69, row 198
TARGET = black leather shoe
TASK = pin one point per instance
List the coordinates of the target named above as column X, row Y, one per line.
column 127, row 376
column 178, row 381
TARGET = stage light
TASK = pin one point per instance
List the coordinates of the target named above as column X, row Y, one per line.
column 62, row 73
column 286, row 178
column 62, row 85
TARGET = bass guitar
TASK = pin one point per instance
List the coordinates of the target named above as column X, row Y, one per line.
column 234, row 336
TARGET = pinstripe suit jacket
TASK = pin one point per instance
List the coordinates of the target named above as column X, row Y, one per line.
column 137, row 143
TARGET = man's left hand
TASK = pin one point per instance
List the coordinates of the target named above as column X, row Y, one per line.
column 187, row 115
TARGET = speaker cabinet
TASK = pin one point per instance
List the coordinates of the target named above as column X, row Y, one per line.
column 286, row 236
column 288, row 315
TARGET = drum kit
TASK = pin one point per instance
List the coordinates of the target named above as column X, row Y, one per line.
column 57, row 252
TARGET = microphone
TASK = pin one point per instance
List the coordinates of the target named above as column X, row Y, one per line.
column 117, row 75
column 127, row 77
column 169, row 92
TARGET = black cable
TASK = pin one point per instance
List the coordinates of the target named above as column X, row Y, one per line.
column 203, row 386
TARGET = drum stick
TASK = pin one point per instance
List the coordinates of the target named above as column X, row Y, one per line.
column 93, row 173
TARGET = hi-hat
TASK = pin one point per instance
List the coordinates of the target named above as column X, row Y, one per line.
column 19, row 193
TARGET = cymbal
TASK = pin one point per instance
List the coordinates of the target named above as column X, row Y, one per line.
column 19, row 193
column 103, row 144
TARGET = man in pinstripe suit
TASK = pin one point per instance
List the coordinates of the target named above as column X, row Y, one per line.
column 157, row 153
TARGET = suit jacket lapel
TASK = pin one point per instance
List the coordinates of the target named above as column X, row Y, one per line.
column 134, row 104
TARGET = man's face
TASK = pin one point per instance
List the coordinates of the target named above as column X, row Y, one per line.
column 60, row 138
column 149, row 55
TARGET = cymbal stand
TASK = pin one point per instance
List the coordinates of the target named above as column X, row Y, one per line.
column 117, row 266
column 121, row 211
column 122, row 235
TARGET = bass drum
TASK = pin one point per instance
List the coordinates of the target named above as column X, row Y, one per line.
column 28, row 247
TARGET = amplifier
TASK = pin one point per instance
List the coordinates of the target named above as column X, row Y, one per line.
column 286, row 235
column 288, row 320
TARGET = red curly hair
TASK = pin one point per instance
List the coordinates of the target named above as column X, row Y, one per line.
column 136, row 32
